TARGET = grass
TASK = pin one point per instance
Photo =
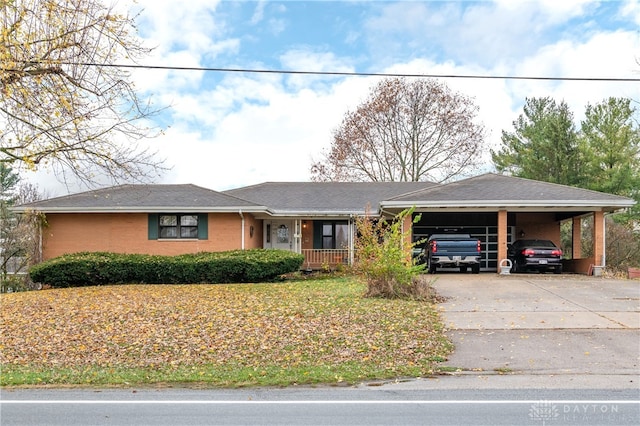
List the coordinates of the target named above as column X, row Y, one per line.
column 276, row 334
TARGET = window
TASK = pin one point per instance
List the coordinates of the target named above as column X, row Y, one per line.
column 335, row 235
column 283, row 234
column 178, row 226
column 327, row 236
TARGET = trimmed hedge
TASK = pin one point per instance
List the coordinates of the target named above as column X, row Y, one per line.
column 98, row 268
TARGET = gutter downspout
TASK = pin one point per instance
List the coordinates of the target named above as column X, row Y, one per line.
column 241, row 229
column 40, row 248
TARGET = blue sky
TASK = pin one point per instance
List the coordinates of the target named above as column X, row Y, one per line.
column 226, row 130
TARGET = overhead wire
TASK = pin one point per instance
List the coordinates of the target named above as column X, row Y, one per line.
column 347, row 73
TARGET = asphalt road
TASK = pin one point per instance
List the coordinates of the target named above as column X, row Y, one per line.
column 319, row 406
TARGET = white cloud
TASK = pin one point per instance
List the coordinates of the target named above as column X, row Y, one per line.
column 481, row 32
column 553, row 10
column 604, row 55
column 300, row 59
column 274, row 140
column 258, row 13
column 307, row 59
column 192, row 29
column 175, row 24
column 631, row 10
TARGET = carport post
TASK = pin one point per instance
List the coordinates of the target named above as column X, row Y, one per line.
column 576, row 238
column 598, row 238
column 502, row 236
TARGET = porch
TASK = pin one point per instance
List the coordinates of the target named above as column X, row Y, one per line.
column 326, row 259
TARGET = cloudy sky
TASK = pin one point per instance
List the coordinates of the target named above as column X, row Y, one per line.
column 231, row 129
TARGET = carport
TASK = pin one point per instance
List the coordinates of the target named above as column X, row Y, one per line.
column 499, row 209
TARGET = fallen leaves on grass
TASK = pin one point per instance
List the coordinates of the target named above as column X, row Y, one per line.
column 287, row 324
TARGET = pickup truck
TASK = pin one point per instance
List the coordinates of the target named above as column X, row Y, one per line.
column 451, row 251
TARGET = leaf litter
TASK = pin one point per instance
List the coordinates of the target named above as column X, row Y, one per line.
column 278, row 324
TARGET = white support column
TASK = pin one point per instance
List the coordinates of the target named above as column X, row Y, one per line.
column 297, row 236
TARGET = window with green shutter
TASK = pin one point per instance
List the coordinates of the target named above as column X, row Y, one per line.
column 178, row 226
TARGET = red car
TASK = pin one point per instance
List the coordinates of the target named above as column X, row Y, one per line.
column 539, row 255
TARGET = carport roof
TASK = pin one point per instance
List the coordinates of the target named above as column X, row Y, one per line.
column 495, row 191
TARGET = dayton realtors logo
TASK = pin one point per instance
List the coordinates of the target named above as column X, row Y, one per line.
column 543, row 411
column 578, row 413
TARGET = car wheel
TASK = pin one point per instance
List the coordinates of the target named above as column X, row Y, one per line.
column 558, row 270
column 514, row 267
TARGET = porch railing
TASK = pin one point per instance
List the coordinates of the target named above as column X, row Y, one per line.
column 325, row 259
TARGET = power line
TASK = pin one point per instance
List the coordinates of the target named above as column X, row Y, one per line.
column 349, row 74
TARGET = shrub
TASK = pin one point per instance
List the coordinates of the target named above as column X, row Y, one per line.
column 384, row 259
column 81, row 269
column 15, row 283
column 623, row 245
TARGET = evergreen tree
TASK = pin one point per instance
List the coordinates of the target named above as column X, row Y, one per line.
column 544, row 145
column 612, row 141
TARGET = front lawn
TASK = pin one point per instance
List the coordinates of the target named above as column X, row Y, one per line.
column 300, row 332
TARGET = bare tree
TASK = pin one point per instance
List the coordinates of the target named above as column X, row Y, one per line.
column 64, row 103
column 19, row 233
column 405, row 131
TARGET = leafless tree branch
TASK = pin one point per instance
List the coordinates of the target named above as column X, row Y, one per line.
column 405, row 131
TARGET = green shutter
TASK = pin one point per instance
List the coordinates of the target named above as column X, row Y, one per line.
column 153, row 226
column 317, row 234
column 203, row 226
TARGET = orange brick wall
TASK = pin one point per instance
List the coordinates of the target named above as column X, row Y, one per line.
column 128, row 233
column 307, row 235
column 598, row 238
column 580, row 266
column 250, row 242
column 541, row 226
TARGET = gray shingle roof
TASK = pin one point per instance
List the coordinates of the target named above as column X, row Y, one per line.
column 492, row 189
column 147, row 198
column 325, row 197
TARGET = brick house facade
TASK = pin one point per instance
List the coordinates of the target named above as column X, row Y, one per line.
column 317, row 218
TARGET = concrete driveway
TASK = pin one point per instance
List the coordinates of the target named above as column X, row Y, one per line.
column 533, row 324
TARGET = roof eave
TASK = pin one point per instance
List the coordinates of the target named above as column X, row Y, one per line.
column 319, row 213
column 133, row 209
column 510, row 204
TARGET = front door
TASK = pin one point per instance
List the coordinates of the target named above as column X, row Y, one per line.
column 280, row 235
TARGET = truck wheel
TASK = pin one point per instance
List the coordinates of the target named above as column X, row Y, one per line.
column 463, row 269
column 475, row 269
column 432, row 268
